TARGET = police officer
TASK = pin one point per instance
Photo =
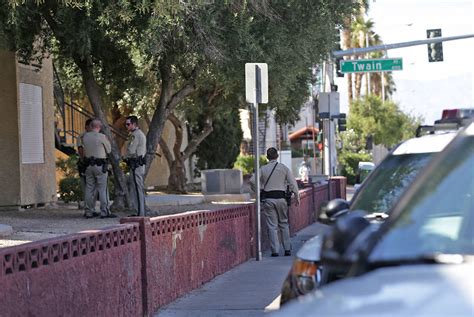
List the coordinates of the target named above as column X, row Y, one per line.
column 96, row 148
column 80, row 162
column 274, row 179
column 135, row 159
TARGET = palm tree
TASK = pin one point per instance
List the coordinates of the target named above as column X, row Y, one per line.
column 376, row 78
column 360, row 30
column 346, row 40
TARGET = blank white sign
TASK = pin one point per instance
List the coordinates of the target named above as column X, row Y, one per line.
column 31, row 124
column 256, row 91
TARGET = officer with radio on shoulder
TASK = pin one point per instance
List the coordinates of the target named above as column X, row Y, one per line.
column 96, row 147
column 135, row 159
column 277, row 184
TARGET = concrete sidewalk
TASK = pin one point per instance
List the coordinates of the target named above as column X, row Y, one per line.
column 250, row 289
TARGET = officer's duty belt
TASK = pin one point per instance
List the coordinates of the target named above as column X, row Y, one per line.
column 273, row 194
column 91, row 161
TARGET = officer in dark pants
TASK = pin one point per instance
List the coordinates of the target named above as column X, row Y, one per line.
column 135, row 159
column 96, row 148
column 274, row 179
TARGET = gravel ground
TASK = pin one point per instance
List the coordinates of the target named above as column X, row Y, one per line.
column 42, row 223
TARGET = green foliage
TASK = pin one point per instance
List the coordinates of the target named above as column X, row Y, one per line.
column 68, row 166
column 221, row 148
column 70, row 189
column 383, row 120
column 245, row 163
column 350, row 162
column 150, row 54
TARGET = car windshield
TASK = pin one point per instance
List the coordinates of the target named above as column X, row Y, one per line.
column 364, row 174
column 437, row 218
column 388, row 182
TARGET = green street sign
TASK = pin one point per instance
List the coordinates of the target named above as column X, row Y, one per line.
column 371, row 65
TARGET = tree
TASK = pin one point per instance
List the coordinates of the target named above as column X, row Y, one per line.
column 211, row 44
column 186, row 47
column 221, row 148
column 383, row 121
column 84, row 34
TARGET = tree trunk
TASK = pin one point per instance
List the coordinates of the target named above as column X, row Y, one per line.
column 166, row 103
column 121, row 199
column 358, row 85
column 350, row 88
column 177, row 179
column 346, row 44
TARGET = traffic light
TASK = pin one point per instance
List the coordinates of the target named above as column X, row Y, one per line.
column 338, row 67
column 341, row 122
column 435, row 50
column 319, row 141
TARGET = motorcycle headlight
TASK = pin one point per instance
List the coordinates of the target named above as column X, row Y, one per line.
column 306, row 275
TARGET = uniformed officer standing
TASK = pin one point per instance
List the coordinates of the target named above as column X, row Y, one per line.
column 274, row 179
column 80, row 163
column 135, row 159
column 96, row 147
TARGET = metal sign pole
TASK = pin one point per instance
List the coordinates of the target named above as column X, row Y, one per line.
column 256, row 91
column 258, row 97
column 257, row 182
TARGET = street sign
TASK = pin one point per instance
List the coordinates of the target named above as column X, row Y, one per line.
column 256, row 83
column 371, row 65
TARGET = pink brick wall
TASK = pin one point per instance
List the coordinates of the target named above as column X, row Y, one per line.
column 86, row 274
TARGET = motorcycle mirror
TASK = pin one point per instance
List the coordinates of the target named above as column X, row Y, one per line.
column 341, row 235
column 335, row 208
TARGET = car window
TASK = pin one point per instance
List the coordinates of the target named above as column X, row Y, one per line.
column 439, row 216
column 388, row 182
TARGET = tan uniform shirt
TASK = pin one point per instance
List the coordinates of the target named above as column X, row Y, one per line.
column 281, row 177
column 136, row 144
column 96, row 144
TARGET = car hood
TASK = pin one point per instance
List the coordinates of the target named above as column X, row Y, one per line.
column 409, row 290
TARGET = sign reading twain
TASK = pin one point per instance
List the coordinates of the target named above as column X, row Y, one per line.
column 371, row 65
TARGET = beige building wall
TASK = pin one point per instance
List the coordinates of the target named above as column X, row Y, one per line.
column 9, row 136
column 25, row 183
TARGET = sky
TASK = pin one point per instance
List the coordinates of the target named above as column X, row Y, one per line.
column 423, row 88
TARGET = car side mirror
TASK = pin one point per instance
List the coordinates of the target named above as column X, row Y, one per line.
column 334, row 209
column 339, row 238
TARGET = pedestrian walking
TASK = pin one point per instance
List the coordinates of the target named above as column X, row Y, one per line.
column 274, row 179
column 96, row 147
column 135, row 159
column 305, row 168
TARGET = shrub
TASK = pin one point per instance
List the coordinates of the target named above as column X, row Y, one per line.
column 70, row 189
column 245, row 163
column 350, row 162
